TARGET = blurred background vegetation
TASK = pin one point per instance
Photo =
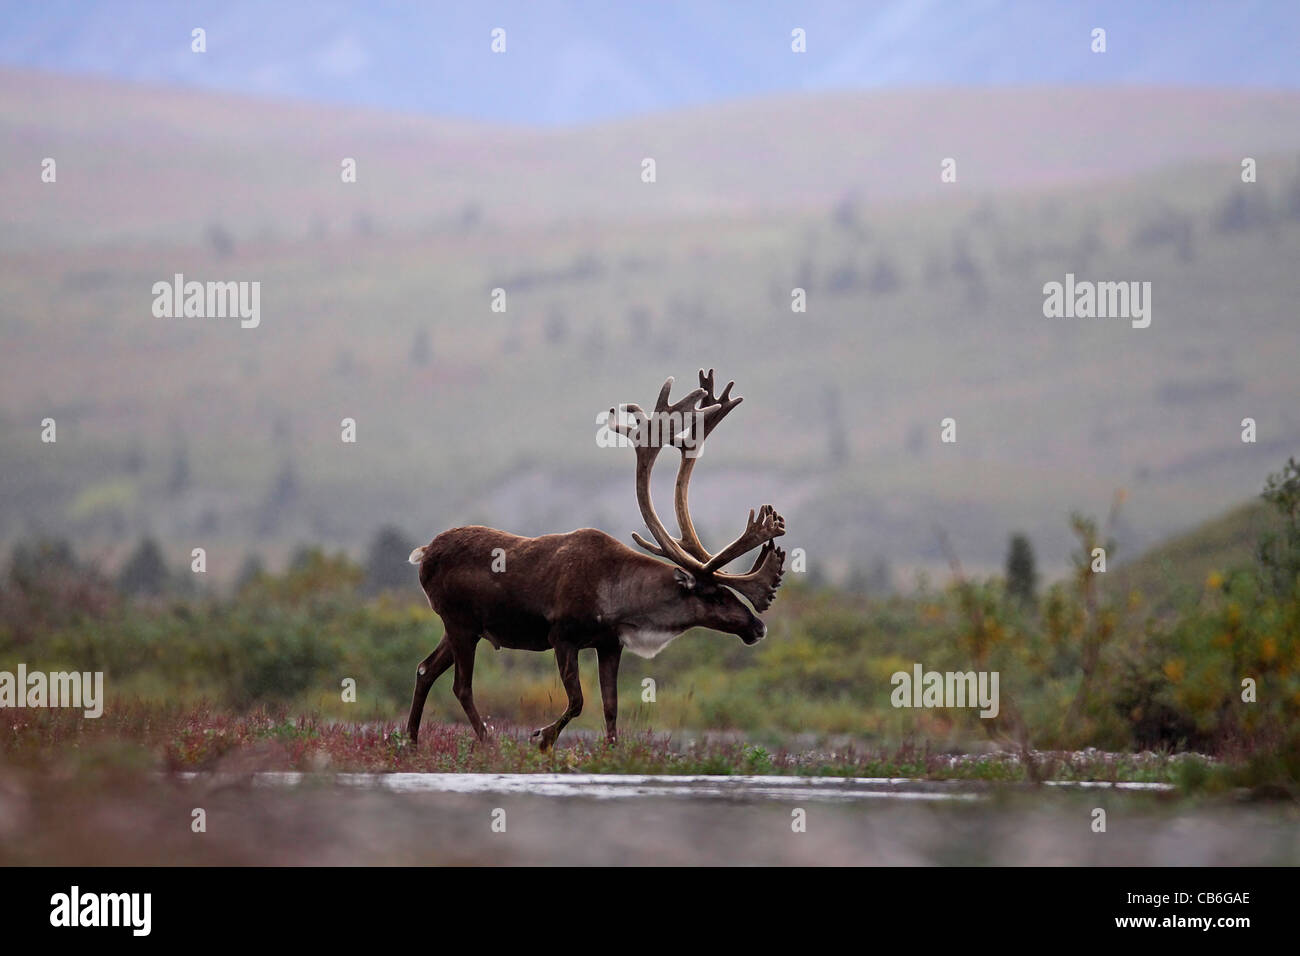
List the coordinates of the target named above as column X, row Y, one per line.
column 1149, row 655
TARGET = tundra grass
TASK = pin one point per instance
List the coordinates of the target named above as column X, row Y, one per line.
column 175, row 739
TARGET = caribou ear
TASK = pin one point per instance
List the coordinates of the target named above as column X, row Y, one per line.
column 685, row 580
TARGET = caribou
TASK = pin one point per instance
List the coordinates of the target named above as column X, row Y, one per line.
column 584, row 589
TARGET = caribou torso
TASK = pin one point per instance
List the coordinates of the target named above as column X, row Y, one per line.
column 514, row 590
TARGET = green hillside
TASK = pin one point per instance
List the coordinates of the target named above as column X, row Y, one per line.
column 1179, row 567
column 924, row 302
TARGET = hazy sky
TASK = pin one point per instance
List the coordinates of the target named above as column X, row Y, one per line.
column 571, row 62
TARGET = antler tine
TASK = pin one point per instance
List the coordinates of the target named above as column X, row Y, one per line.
column 724, row 402
column 652, row 548
column 686, row 403
column 627, row 431
column 759, row 586
column 767, row 526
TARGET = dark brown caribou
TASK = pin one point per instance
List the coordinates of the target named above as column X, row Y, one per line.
column 584, row 589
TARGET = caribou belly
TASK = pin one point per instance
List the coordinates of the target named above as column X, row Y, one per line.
column 646, row 643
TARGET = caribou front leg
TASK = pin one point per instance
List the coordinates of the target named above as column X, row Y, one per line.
column 566, row 657
column 608, row 656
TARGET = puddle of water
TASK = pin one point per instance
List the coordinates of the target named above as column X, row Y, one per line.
column 630, row 786
column 605, row 787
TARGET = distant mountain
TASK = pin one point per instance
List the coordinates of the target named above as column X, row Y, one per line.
column 924, row 301
column 180, row 159
column 572, row 62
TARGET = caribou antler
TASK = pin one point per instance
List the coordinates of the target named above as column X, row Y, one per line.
column 758, row 531
column 725, row 403
column 649, row 434
column 759, row 585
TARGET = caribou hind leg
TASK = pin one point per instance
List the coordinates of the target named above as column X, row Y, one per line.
column 463, row 645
